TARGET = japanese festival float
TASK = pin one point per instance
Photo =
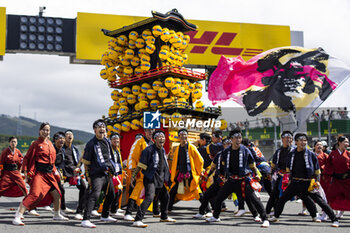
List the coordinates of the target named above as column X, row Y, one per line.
column 144, row 67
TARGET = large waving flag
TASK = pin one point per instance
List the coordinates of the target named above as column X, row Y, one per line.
column 278, row 81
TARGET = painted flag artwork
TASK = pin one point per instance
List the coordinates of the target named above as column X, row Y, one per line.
column 278, row 81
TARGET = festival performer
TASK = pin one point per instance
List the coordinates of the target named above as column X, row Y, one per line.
column 338, row 166
column 154, row 166
column 302, row 165
column 11, row 181
column 100, row 166
column 115, row 208
column 216, row 145
column 40, row 171
column 325, row 179
column 58, row 142
column 72, row 172
column 186, row 169
column 203, row 143
column 239, row 165
column 219, row 180
column 133, row 160
column 279, row 166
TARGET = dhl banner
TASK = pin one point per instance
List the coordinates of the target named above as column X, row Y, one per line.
column 207, row 44
column 2, row 30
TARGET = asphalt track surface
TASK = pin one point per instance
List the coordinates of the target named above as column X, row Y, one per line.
column 183, row 212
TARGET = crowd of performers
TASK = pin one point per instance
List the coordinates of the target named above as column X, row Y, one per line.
column 209, row 171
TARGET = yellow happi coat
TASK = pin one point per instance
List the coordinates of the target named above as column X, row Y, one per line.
column 133, row 160
column 196, row 162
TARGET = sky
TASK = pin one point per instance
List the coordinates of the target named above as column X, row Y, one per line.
column 50, row 89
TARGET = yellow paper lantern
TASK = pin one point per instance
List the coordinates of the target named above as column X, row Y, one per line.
column 132, row 44
column 146, row 33
column 154, row 103
column 144, row 104
column 165, row 47
column 178, row 81
column 175, row 90
column 151, row 94
column 122, row 40
column 145, row 87
column 163, row 92
column 112, row 78
column 110, row 128
column 128, row 71
column 169, row 82
column 126, row 91
column 129, row 54
column 137, row 107
column 113, row 111
column 182, row 92
column 142, row 52
column 150, row 40
column 115, row 95
column 197, row 94
column 142, row 96
column 165, row 36
column 135, row 124
column 138, row 70
column 135, row 61
column 157, row 30
column 145, row 58
column 133, row 35
column 163, row 54
column 198, row 86
column 126, row 126
column 120, row 71
column 104, row 74
column 199, row 105
column 145, row 66
column 140, row 43
column 117, row 127
column 223, row 124
column 150, row 48
column 131, row 99
column 123, row 110
column 187, row 94
column 122, row 101
column 124, row 61
column 185, row 83
column 157, row 84
column 136, row 89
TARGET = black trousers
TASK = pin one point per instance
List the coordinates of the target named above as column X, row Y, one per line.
column 82, row 199
column 63, row 192
column 316, row 197
column 99, row 183
column 151, row 192
column 208, row 196
column 172, row 194
column 132, row 203
column 235, row 186
column 298, row 188
column 266, row 183
column 250, row 205
column 115, row 203
column 274, row 195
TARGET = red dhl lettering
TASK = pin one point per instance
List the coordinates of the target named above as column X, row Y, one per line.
column 202, row 44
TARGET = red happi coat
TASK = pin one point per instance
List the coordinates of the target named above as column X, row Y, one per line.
column 11, row 182
column 41, row 151
column 338, row 192
column 325, row 178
